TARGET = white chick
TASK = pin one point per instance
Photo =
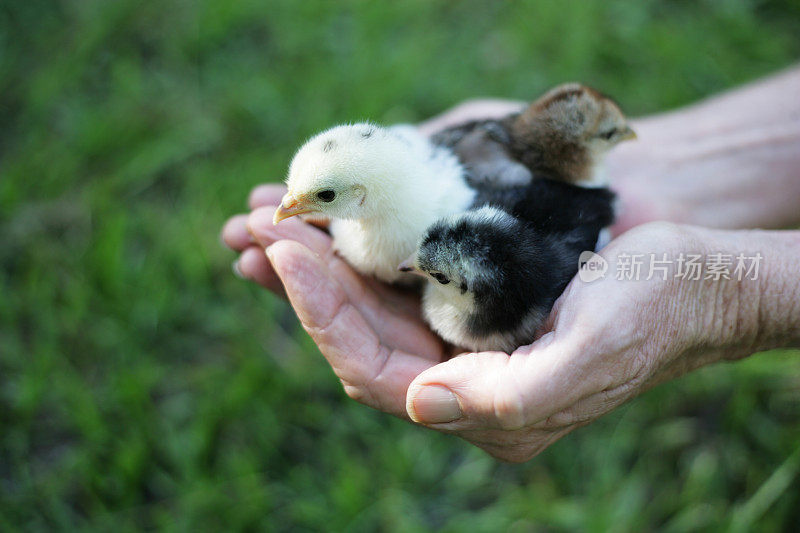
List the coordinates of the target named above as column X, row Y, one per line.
column 382, row 188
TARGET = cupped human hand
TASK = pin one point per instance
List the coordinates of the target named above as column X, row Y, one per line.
column 605, row 342
column 371, row 334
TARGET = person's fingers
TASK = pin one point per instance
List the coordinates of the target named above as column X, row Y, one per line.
column 235, row 234
column 268, row 194
column 395, row 329
column 391, row 300
column 494, row 390
column 262, row 229
column 265, row 233
column 478, row 109
column 371, row 372
column 253, row 265
column 259, row 229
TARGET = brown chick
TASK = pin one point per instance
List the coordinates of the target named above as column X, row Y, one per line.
column 567, row 132
column 564, row 135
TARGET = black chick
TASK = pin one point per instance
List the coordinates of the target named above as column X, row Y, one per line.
column 496, row 270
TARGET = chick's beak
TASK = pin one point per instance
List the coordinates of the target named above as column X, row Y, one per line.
column 409, row 266
column 405, row 266
column 290, row 206
column 628, row 134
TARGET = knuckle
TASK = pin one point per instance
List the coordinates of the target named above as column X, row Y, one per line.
column 558, row 420
column 637, row 368
column 353, row 392
column 661, row 228
column 669, row 235
column 362, row 395
column 508, row 408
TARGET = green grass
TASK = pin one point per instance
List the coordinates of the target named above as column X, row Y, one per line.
column 143, row 386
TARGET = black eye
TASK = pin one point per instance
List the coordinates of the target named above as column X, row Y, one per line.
column 441, row 278
column 327, row 195
column 608, row 134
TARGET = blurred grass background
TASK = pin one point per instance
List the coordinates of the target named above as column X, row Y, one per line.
column 143, row 386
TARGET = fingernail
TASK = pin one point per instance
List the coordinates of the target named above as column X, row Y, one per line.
column 236, row 270
column 435, row 404
column 268, row 252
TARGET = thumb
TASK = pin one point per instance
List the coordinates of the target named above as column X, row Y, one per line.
column 493, row 390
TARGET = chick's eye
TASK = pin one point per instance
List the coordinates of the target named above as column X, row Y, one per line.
column 327, row 195
column 441, row 278
column 608, row 134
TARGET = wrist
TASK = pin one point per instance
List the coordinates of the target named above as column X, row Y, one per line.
column 728, row 163
column 777, row 292
column 754, row 308
column 741, row 297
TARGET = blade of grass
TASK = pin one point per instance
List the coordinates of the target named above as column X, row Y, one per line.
column 745, row 515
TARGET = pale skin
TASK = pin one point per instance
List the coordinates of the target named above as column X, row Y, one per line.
column 732, row 162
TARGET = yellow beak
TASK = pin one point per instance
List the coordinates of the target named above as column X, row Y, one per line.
column 290, row 206
column 406, row 266
column 628, row 135
column 409, row 266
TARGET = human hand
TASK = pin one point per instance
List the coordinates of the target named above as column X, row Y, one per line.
column 611, row 339
column 727, row 162
column 605, row 341
column 372, row 334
